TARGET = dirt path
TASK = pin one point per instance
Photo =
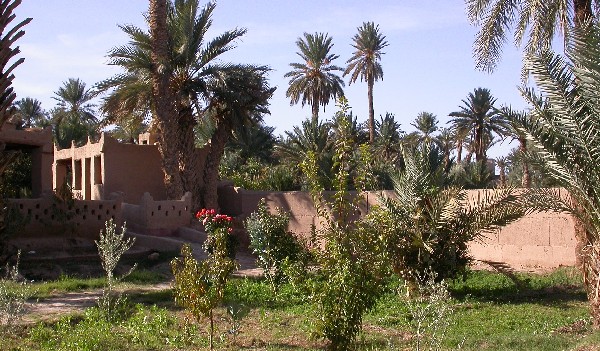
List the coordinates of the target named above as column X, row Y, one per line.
column 67, row 303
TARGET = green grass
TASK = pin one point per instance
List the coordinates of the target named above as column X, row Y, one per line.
column 491, row 311
column 66, row 284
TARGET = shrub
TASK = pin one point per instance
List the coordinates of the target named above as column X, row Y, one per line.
column 14, row 293
column 111, row 246
column 428, row 224
column 351, row 261
column 214, row 222
column 200, row 286
column 270, row 240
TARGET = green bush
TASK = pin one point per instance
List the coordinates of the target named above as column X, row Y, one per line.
column 351, row 261
column 275, row 247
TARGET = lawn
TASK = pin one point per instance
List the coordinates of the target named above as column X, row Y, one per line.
column 489, row 311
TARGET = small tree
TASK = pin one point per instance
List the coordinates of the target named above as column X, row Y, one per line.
column 199, row 286
column 351, row 259
column 111, row 247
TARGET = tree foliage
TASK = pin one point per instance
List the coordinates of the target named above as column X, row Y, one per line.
column 314, row 80
column 564, row 128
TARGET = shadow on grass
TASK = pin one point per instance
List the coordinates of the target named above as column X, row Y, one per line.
column 555, row 289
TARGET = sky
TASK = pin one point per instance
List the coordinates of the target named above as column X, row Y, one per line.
column 428, row 65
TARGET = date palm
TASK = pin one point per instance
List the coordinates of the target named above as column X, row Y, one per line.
column 9, row 35
column 481, row 119
column 431, row 223
column 368, row 43
column 74, row 117
column 388, row 138
column 314, row 80
column 503, row 163
column 29, row 113
column 446, row 142
column 312, row 137
column 426, row 124
column 564, row 123
column 538, row 21
column 172, row 70
column 512, row 117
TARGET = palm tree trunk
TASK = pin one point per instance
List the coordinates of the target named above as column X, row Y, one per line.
column 315, row 107
column 526, row 180
column 188, row 156
column 370, row 84
column 588, row 247
column 209, row 197
column 583, row 11
column 459, row 149
column 164, row 99
column 503, row 177
column 479, row 147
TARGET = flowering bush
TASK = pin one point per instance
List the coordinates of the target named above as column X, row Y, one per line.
column 199, row 286
column 217, row 225
column 214, row 221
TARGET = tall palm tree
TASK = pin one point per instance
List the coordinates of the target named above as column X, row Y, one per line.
column 368, row 43
column 8, row 53
column 74, row 117
column 29, row 113
column 426, row 124
column 564, row 123
column 536, row 20
column 479, row 116
column 172, row 71
column 314, row 81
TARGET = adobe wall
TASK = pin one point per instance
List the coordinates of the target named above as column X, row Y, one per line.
column 537, row 240
column 38, row 142
column 158, row 217
column 134, row 170
column 106, row 167
column 46, row 217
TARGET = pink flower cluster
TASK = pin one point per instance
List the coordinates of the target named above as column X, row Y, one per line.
column 213, row 221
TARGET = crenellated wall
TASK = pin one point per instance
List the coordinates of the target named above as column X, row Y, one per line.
column 158, row 217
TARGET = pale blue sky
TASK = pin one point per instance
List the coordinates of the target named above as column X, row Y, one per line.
column 428, row 64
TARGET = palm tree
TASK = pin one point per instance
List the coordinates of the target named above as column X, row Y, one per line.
column 369, row 44
column 311, row 137
column 446, row 142
column 426, row 124
column 430, row 223
column 479, row 116
column 172, row 71
column 502, row 162
column 512, row 117
column 536, row 20
column 564, row 123
column 7, row 95
column 388, row 136
column 239, row 95
column 314, row 80
column 29, row 113
column 253, row 141
column 73, row 118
